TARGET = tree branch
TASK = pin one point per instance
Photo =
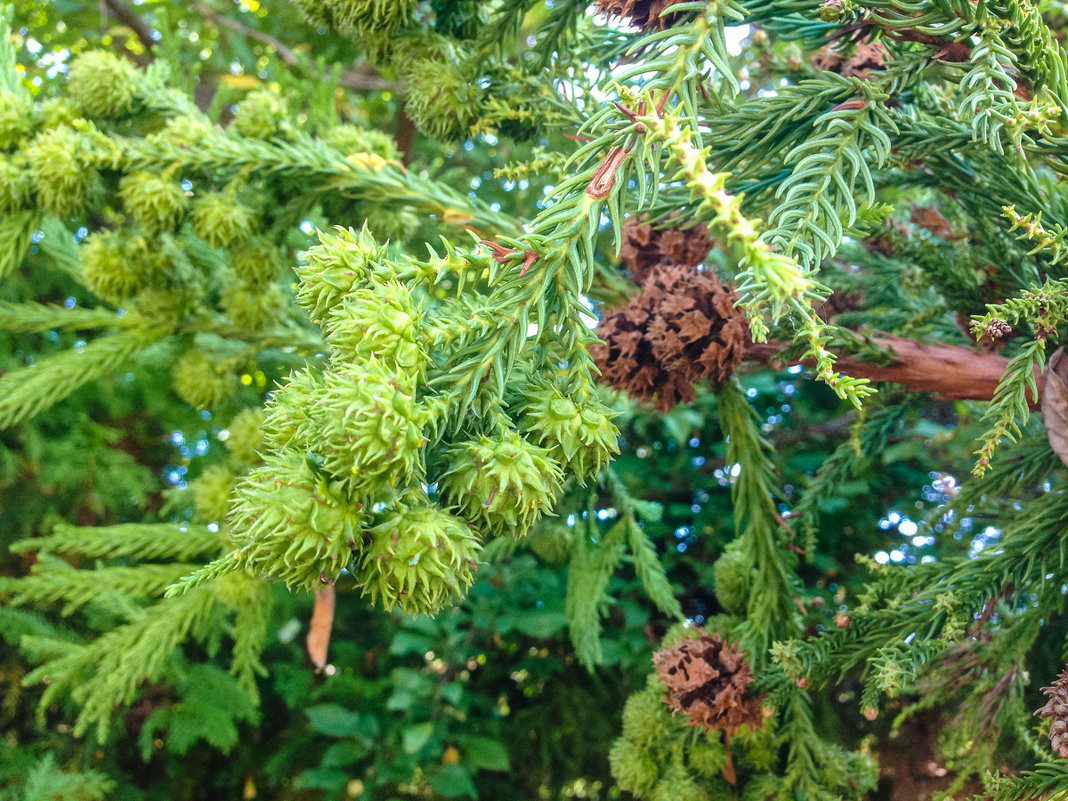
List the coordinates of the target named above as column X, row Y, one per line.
column 360, row 79
column 132, row 20
column 950, row 372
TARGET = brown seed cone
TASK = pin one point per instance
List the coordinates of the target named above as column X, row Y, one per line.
column 707, row 681
column 868, row 56
column 644, row 247
column 682, row 327
column 643, row 13
column 1056, row 708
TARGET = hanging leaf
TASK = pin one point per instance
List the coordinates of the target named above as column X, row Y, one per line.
column 322, row 621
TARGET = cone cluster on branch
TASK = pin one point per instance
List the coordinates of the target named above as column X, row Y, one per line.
column 1056, row 709
column 707, row 680
column 681, row 328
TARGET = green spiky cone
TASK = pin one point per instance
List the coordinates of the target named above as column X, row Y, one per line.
column 442, row 96
column 56, row 111
column 257, row 261
column 373, row 428
column 501, row 486
column 391, row 223
column 732, row 581
column 245, row 435
column 155, row 203
column 289, row 523
column 706, row 756
column 633, row 767
column 61, row 178
column 184, row 131
column 117, row 264
column 259, row 115
column 382, row 323
column 647, row 720
column 201, row 382
column 253, row 308
column 418, row 559
column 358, row 17
column 211, row 492
column 16, row 185
column 221, row 220
column 579, row 434
column 102, row 84
column 348, row 139
column 552, row 540
column 17, row 118
column 333, row 268
column 292, row 418
column 678, row 785
column 163, row 309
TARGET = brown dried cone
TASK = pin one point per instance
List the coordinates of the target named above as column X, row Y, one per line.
column 1056, row 708
column 868, row 56
column 707, row 681
column 643, row 13
column 644, row 247
column 682, row 327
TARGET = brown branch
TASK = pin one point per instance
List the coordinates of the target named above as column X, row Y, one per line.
column 360, row 79
column 950, row 372
column 132, row 20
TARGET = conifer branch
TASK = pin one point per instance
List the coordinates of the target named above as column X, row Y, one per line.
column 109, row 671
column 28, row 391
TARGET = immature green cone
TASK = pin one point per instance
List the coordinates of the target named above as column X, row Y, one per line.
column 348, row 139
column 372, row 428
column 257, row 261
column 579, row 434
column 418, row 559
column 287, row 522
column 380, row 322
column 253, row 308
column 201, row 382
column 102, row 84
column 221, row 220
column 211, row 492
column 391, row 223
column 61, row 178
column 633, row 767
column 245, row 435
column 292, row 416
column 502, row 486
column 334, row 267
column 155, row 203
column 259, row 114
column 732, row 581
column 552, row 540
column 358, row 17
column 56, row 111
column 646, row 717
column 184, row 131
column 16, row 117
column 678, row 785
column 442, row 96
column 117, row 264
column 16, row 185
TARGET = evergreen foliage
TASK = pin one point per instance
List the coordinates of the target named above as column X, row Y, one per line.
column 260, row 353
